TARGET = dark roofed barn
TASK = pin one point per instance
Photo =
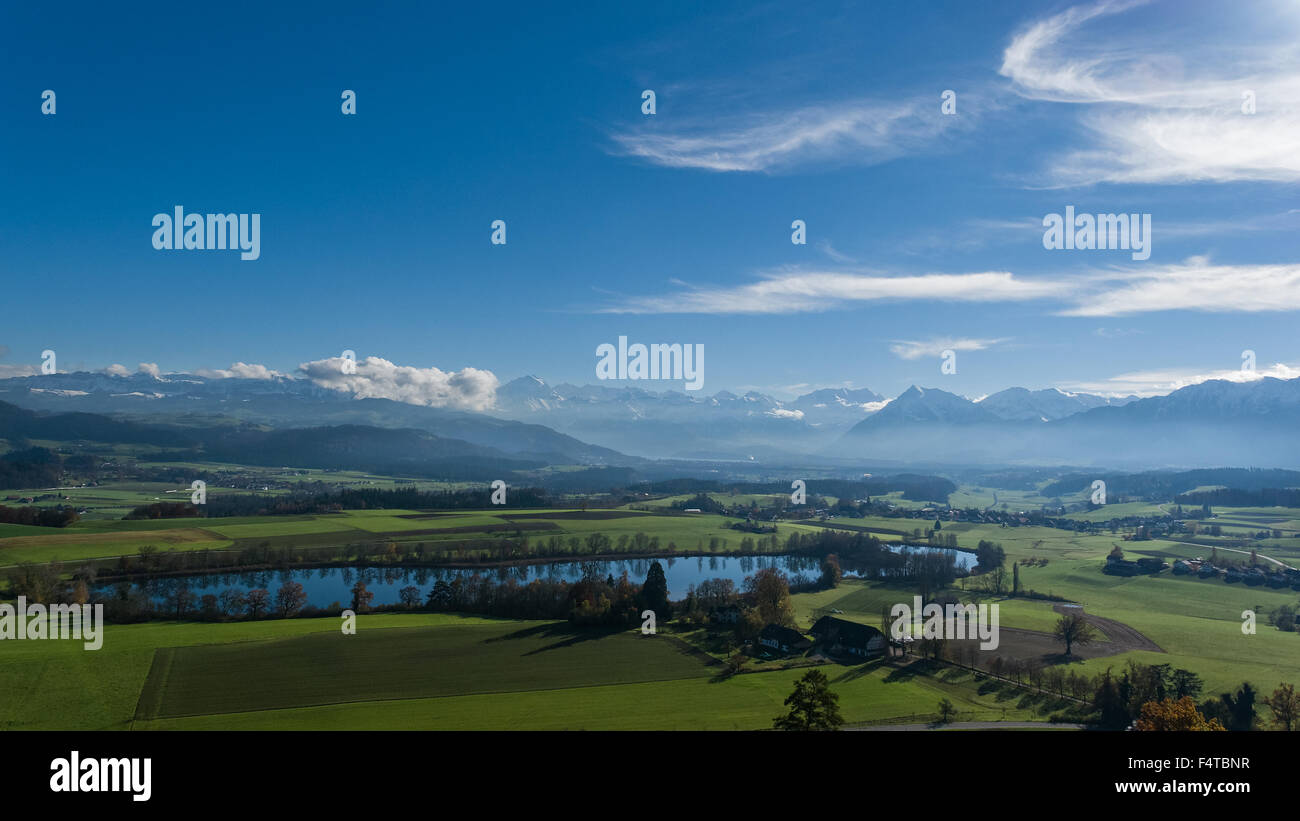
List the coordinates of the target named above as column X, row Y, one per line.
column 783, row 639
column 840, row 636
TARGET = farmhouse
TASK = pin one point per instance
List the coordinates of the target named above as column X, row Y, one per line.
column 783, row 639
column 840, row 636
column 1116, row 566
column 1151, row 564
column 728, row 614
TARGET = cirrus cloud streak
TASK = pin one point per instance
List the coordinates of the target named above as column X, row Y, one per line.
column 803, row 292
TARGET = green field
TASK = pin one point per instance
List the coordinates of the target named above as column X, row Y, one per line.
column 743, row 702
column 440, row 671
column 425, row 671
column 109, row 538
column 333, row 668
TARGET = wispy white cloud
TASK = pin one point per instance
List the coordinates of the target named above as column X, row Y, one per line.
column 829, row 250
column 1194, row 285
column 785, row 413
column 980, row 232
column 801, row 291
column 905, row 349
column 1040, row 65
column 1161, row 112
column 467, row 389
column 859, row 132
column 1115, row 333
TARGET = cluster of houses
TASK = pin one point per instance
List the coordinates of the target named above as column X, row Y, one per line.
column 831, row 636
column 1117, row 566
column 1143, row 527
column 1140, row 528
column 1252, row 576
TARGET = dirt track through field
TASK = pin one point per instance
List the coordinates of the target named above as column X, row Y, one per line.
column 1122, row 637
column 1045, row 648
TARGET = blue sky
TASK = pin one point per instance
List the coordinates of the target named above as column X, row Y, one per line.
column 924, row 229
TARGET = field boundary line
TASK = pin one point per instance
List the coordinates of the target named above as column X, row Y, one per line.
column 155, row 683
column 431, row 697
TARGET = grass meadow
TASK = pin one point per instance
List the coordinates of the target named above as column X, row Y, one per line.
column 438, row 671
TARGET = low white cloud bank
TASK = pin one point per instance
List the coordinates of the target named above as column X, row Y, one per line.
column 149, row 368
column 1161, row 382
column 240, row 370
column 377, row 378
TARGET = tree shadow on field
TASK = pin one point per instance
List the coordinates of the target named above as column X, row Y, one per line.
column 923, row 667
column 1000, row 690
column 955, row 675
column 564, row 635
column 860, row 671
column 524, row 633
column 1043, row 703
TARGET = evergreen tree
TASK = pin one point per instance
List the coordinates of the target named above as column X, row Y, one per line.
column 812, row 705
column 654, row 593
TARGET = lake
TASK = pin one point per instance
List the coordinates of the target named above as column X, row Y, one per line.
column 328, row 585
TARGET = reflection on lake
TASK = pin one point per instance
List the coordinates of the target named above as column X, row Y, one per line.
column 329, row 585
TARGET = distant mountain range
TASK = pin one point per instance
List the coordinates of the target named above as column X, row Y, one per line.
column 1021, row 404
column 196, row 401
column 680, row 425
column 615, row 425
column 400, row 451
column 1213, row 423
column 673, row 423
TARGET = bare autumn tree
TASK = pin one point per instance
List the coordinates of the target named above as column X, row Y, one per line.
column 997, row 579
column 233, row 602
column 410, row 597
column 290, row 598
column 181, row 600
column 771, row 591
column 1074, row 629
column 257, row 601
column 361, row 597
